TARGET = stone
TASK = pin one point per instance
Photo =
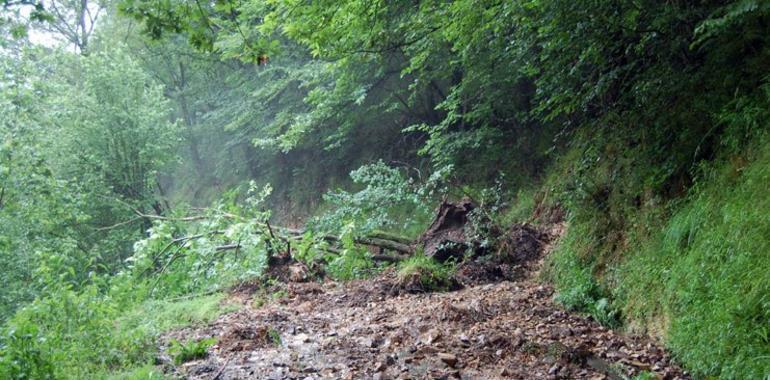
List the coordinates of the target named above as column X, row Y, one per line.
column 554, row 369
column 449, row 359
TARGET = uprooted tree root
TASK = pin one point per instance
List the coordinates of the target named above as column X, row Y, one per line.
column 521, row 244
column 448, row 240
column 448, row 235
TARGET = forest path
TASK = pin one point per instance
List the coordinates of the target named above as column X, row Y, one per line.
column 360, row 330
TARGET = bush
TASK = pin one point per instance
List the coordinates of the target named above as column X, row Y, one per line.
column 388, row 199
column 21, row 356
column 71, row 332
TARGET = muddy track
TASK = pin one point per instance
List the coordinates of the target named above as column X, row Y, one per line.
column 360, row 330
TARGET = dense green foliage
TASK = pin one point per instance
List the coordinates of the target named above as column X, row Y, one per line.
column 145, row 156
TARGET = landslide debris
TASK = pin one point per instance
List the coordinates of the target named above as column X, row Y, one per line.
column 504, row 330
column 501, row 323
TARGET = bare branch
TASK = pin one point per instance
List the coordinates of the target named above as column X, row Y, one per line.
column 119, row 224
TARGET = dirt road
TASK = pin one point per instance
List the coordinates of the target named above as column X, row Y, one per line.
column 508, row 329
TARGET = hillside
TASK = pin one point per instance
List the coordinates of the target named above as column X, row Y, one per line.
column 257, row 188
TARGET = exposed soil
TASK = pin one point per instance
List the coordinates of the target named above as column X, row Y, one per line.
column 502, row 325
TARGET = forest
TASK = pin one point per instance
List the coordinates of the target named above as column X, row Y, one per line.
column 367, row 189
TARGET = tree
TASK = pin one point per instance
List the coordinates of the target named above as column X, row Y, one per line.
column 73, row 20
column 38, row 212
column 117, row 132
column 15, row 16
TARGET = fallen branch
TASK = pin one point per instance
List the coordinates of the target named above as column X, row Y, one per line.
column 375, row 257
column 388, row 258
column 228, row 247
column 380, row 239
column 222, row 369
column 119, row 224
column 390, row 236
column 370, row 241
column 140, row 214
column 376, row 239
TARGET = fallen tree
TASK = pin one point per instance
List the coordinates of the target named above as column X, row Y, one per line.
column 273, row 235
column 453, row 235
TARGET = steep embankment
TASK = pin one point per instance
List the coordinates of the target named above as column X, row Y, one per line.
column 693, row 271
column 368, row 329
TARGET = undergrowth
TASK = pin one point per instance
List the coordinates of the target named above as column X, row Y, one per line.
column 91, row 335
column 189, row 351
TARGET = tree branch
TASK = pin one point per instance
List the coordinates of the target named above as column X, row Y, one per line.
column 114, row 225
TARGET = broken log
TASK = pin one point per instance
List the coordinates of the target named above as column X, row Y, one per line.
column 386, row 244
column 378, row 239
column 390, row 236
column 375, row 257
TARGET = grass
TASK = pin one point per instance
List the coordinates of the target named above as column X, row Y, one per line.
column 696, row 276
column 92, row 335
column 645, row 375
column 429, row 274
column 144, row 372
column 573, row 275
column 275, row 336
column 520, row 209
column 155, row 316
column 189, row 351
column 710, row 266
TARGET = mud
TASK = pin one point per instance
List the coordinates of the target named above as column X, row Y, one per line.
column 502, row 325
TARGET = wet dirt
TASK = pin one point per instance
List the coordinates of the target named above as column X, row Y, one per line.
column 508, row 328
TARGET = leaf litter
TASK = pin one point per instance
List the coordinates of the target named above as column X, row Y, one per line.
column 503, row 324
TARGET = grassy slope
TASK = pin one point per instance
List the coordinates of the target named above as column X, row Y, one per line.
column 700, row 280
